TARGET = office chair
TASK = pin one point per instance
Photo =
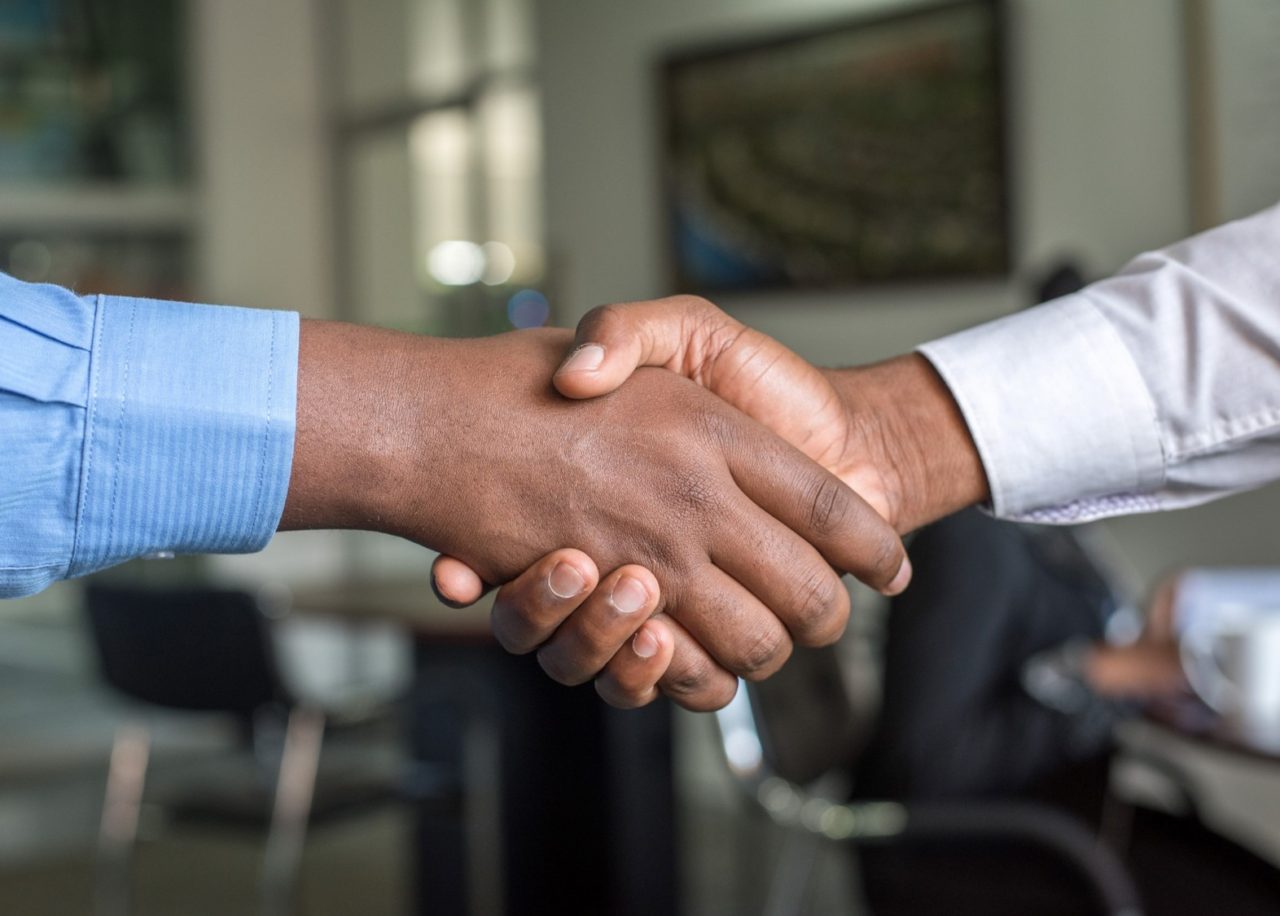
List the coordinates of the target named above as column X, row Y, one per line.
column 782, row 742
column 208, row 650
column 1180, row 861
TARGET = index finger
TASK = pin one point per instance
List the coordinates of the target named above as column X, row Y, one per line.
column 816, row 505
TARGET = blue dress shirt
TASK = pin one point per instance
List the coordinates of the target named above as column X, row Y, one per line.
column 131, row 426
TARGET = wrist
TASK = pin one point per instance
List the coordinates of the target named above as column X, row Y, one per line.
column 904, row 422
column 430, row 439
column 355, row 424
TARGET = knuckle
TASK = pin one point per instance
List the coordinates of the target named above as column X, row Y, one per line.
column 831, row 633
column 660, row 554
column 599, row 318
column 714, row 696
column 693, row 495
column 557, row 666
column 620, row 696
column 767, row 653
column 695, row 307
column 886, row 559
column 817, row 607
column 690, row 679
column 697, row 492
column 509, row 631
column 828, row 505
column 699, row 685
column 711, row 424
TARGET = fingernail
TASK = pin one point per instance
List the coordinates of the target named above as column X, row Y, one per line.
column 644, row 645
column 901, row 580
column 587, row 358
column 565, row 581
column 628, row 595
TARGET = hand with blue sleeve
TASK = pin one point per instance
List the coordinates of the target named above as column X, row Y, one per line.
column 136, row 426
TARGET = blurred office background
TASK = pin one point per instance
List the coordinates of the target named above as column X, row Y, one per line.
column 469, row 166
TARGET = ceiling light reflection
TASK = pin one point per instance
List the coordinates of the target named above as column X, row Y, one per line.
column 456, row 263
column 499, row 263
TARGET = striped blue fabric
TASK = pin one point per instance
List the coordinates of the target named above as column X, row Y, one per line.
column 131, row 426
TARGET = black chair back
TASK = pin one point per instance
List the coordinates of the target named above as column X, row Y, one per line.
column 195, row 649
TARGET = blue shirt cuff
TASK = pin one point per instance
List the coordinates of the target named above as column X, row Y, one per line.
column 189, row 430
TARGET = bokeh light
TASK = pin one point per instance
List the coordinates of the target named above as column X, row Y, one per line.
column 456, row 263
column 499, row 263
column 528, row 309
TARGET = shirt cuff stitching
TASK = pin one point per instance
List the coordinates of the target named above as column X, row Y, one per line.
column 124, row 404
column 1223, row 434
column 90, row 423
column 266, row 430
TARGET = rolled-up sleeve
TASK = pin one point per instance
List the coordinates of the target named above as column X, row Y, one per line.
column 134, row 426
column 1154, row 389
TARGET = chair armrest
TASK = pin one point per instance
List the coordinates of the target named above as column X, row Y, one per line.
column 1040, row 825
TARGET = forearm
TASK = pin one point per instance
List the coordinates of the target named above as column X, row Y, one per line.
column 378, row 426
column 417, row 436
column 910, row 426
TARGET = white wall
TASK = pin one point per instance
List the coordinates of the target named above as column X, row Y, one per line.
column 1100, row 166
column 259, row 84
column 262, row 156
column 264, row 204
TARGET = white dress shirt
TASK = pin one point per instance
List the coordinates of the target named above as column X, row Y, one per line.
column 1155, row 389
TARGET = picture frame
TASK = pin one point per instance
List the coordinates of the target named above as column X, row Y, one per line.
column 862, row 151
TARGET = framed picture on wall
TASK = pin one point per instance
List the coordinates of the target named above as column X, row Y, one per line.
column 866, row 151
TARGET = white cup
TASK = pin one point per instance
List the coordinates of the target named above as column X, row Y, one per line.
column 1232, row 661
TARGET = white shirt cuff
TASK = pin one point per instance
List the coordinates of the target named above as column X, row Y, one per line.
column 1062, row 419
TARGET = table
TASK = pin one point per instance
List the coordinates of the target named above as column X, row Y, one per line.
column 565, row 805
column 1190, row 719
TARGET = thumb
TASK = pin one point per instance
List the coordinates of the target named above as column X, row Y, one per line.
column 455, row 583
column 612, row 341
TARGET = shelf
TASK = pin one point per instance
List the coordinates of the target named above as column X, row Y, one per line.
column 95, row 208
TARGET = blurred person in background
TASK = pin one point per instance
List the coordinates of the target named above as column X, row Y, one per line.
column 998, row 675
column 1000, row 683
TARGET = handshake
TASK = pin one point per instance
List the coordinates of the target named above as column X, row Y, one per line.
column 670, row 499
